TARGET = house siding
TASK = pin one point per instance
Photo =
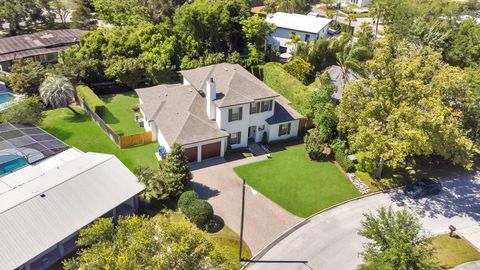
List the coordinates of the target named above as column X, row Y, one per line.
column 282, row 35
column 274, row 131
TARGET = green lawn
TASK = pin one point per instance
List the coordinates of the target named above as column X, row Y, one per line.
column 453, row 251
column 81, row 132
column 296, row 183
column 119, row 114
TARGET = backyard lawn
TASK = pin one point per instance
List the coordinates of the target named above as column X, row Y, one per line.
column 453, row 251
column 119, row 114
column 81, row 132
column 301, row 186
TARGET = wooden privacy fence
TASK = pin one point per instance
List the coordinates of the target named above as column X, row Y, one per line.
column 120, row 141
column 136, row 139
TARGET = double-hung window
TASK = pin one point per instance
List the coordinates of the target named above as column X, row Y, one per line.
column 267, row 105
column 284, row 129
column 234, row 114
column 254, row 107
column 235, row 138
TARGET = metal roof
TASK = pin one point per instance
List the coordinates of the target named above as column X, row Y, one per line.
column 38, row 43
column 299, row 22
column 37, row 215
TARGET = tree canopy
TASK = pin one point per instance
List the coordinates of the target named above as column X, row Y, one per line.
column 142, row 243
column 410, row 103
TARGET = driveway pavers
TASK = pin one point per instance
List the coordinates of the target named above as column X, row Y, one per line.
column 215, row 181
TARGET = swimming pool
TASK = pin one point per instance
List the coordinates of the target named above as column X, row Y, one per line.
column 10, row 163
column 5, row 99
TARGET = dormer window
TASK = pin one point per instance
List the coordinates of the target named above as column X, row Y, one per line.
column 234, row 114
column 267, row 105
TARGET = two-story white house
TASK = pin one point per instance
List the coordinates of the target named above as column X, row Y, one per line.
column 308, row 27
column 216, row 106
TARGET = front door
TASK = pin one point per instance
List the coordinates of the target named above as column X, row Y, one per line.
column 252, row 131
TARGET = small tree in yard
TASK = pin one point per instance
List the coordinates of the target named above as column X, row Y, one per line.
column 154, row 187
column 175, row 171
column 397, row 242
column 298, row 68
column 57, row 91
column 187, row 198
column 26, row 77
column 315, row 144
column 27, row 112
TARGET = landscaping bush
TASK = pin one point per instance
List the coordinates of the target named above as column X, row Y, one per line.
column 298, row 68
column 135, row 108
column 27, row 112
column 344, row 162
column 367, row 165
column 339, row 146
column 186, row 199
column 199, row 212
column 314, row 144
column 91, row 99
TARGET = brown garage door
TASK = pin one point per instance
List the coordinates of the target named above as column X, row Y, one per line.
column 211, row 150
column 191, row 153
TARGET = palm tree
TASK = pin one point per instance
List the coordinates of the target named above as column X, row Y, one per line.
column 57, row 91
column 154, row 187
column 294, row 40
column 351, row 58
column 351, row 17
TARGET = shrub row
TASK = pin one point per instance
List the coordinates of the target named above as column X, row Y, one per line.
column 91, row 99
column 344, row 162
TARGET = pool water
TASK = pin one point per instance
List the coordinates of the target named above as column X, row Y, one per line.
column 5, row 98
column 10, row 163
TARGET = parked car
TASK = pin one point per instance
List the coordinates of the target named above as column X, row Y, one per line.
column 422, row 187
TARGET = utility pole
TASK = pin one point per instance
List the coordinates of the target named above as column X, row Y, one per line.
column 241, row 222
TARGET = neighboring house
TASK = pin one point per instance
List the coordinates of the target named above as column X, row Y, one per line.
column 308, row 27
column 48, row 191
column 42, row 46
column 335, row 73
column 360, row 3
column 216, row 106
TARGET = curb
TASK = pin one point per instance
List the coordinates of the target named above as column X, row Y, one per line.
column 304, row 222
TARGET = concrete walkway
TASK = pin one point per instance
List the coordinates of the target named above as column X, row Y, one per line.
column 215, row 181
column 330, row 240
column 468, row 266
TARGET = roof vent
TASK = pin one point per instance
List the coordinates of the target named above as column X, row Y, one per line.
column 166, row 94
column 43, row 195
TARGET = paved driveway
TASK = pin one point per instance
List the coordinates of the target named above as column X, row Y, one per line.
column 215, row 181
column 330, row 240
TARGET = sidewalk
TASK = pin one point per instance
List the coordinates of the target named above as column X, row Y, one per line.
column 472, row 235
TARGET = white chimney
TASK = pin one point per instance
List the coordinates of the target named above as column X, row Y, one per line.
column 211, row 96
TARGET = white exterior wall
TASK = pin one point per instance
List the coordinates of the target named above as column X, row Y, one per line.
column 273, row 132
column 282, row 35
column 235, row 126
column 162, row 141
column 258, row 120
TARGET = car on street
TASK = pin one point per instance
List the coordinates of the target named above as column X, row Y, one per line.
column 422, row 187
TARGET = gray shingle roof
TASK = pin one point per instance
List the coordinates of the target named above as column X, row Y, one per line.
column 179, row 111
column 235, row 85
column 38, row 43
column 335, row 73
column 283, row 112
column 75, row 194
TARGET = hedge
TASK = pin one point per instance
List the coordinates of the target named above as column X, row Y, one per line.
column 91, row 99
column 344, row 162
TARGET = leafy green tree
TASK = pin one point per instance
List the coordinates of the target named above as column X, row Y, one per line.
column 57, row 91
column 187, row 198
column 175, row 171
column 321, row 109
column 121, row 12
column 319, row 53
column 397, row 242
column 315, row 144
column 289, row 6
column 61, row 8
column 154, row 188
column 142, row 243
column 351, row 58
column 298, row 68
column 199, row 212
column 256, row 31
column 207, row 59
column 410, row 103
column 472, row 112
column 234, row 58
column 464, row 49
column 28, row 111
column 26, row 77
column 295, row 39
column 82, row 17
column 210, row 26
column 255, row 56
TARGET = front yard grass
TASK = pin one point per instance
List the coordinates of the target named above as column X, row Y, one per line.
column 301, row 186
column 453, row 251
column 119, row 114
column 79, row 131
